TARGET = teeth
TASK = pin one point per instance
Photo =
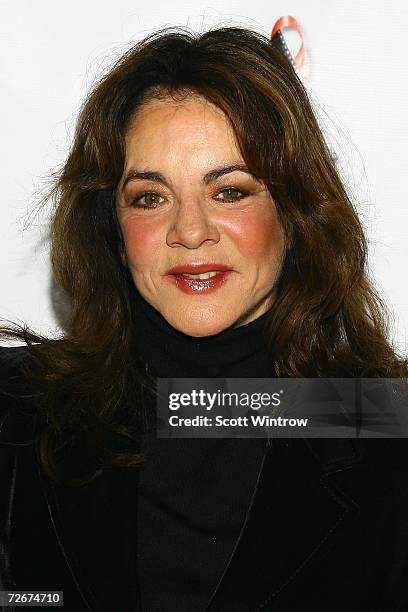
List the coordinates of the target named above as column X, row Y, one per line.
column 201, row 276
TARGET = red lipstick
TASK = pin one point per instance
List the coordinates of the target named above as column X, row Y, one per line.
column 178, row 275
column 198, row 268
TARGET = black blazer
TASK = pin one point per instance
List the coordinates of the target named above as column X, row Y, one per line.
column 326, row 529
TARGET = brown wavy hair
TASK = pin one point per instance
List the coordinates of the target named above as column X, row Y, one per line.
column 327, row 319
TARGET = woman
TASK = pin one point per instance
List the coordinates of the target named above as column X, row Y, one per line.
column 199, row 154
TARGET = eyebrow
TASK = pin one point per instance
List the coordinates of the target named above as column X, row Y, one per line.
column 209, row 177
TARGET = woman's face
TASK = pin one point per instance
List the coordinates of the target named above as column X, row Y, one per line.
column 181, row 204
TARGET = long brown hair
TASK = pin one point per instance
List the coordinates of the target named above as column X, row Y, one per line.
column 327, row 319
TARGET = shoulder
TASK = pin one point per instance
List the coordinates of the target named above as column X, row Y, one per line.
column 379, row 464
column 16, row 400
column 379, row 477
column 385, row 455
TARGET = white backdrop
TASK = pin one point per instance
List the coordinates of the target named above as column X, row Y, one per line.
column 51, row 54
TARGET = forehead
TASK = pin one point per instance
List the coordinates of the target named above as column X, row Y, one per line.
column 189, row 117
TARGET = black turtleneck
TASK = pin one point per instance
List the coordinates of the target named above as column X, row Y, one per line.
column 194, row 493
column 235, row 352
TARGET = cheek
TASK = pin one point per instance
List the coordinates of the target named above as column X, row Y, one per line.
column 259, row 236
column 142, row 239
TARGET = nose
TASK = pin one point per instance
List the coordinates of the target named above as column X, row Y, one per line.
column 192, row 225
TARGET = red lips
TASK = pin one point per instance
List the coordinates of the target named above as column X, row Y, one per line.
column 198, row 268
column 194, row 286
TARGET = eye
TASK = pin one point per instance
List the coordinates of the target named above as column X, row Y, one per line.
column 233, row 194
column 150, row 198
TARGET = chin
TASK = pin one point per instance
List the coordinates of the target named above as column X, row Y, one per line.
column 200, row 328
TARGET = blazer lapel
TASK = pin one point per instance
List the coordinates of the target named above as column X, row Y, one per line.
column 294, row 512
column 94, row 524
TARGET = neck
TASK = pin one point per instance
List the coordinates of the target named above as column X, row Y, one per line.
column 234, row 352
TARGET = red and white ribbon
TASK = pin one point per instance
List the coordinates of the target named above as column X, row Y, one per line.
column 287, row 21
